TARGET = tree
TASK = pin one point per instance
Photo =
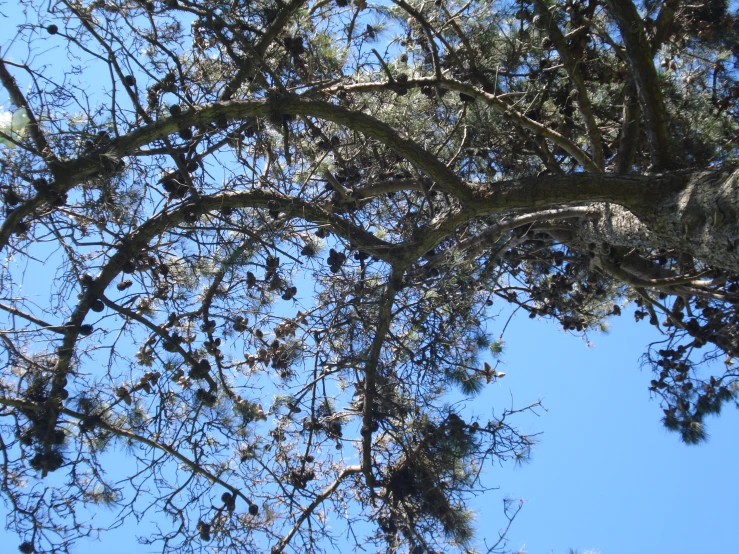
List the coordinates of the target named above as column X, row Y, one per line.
column 190, row 170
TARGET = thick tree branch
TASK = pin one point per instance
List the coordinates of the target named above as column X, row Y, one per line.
column 628, row 139
column 662, row 25
column 639, row 52
column 571, row 66
column 384, row 319
column 625, row 276
column 426, row 162
column 633, row 191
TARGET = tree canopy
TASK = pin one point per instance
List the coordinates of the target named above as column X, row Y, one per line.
column 260, row 244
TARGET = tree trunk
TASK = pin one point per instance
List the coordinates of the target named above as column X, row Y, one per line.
column 700, row 219
column 696, row 212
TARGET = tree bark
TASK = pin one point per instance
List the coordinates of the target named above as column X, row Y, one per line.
column 696, row 211
column 639, row 52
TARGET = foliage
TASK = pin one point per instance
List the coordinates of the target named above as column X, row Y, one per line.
column 212, row 204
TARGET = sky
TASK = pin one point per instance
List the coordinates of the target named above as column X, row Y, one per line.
column 605, row 475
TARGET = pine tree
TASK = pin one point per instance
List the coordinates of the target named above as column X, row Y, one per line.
column 270, row 233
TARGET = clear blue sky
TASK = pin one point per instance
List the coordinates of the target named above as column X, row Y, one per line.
column 606, row 475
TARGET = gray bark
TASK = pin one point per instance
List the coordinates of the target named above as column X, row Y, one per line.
column 639, row 53
column 693, row 211
column 700, row 219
